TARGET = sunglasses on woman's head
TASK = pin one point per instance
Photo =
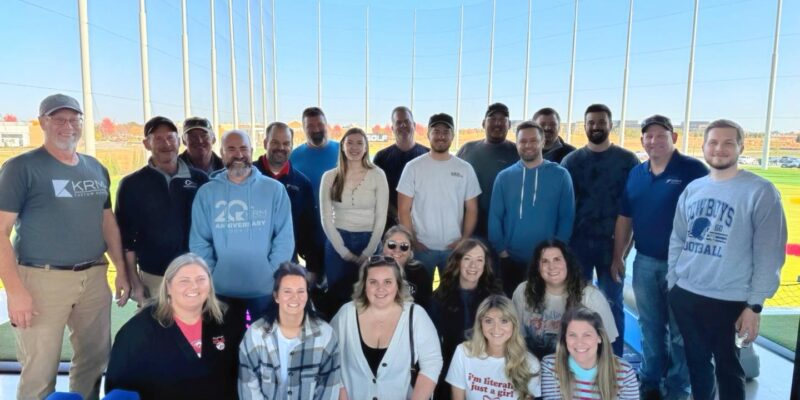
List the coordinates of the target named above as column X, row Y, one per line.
column 381, row 260
column 404, row 246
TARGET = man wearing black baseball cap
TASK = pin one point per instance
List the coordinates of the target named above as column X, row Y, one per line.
column 198, row 137
column 55, row 275
column 646, row 213
column 488, row 157
column 153, row 208
column 437, row 197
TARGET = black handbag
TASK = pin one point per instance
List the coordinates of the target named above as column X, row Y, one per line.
column 414, row 364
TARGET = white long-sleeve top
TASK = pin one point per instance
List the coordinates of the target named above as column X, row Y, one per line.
column 394, row 372
column 362, row 209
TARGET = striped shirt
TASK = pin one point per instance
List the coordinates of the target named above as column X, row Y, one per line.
column 627, row 383
column 313, row 364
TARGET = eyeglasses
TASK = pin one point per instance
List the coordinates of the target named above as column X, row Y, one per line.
column 381, row 260
column 61, row 121
column 404, row 246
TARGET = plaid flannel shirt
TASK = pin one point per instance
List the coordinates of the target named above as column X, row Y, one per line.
column 313, row 370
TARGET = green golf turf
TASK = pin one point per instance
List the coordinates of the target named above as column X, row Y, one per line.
column 8, row 349
column 781, row 329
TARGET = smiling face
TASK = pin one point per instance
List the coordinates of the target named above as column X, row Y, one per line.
column 471, row 268
column 316, row 130
column 553, row 267
column 440, row 137
column 496, row 328
column 550, row 126
column 529, row 145
column 188, row 290
column 279, row 146
column 597, row 126
column 354, row 147
column 398, row 247
column 658, row 142
column 62, row 129
column 292, row 296
column 381, row 287
column 163, row 143
column 582, row 342
column 721, row 149
column 496, row 126
column 236, row 154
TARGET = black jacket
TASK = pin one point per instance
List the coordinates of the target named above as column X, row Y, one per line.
column 159, row 363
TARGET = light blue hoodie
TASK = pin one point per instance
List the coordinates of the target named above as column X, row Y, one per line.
column 530, row 205
column 243, row 231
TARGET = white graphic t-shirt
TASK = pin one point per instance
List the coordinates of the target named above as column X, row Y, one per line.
column 485, row 378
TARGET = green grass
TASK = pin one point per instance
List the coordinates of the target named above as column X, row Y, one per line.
column 8, row 348
column 781, row 329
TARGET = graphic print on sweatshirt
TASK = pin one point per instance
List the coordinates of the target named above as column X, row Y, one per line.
column 709, row 221
column 236, row 215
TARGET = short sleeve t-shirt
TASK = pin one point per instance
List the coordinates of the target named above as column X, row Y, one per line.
column 285, row 346
column 392, row 160
column 193, row 333
column 541, row 329
column 314, row 161
column 57, row 204
column 482, row 378
column 439, row 190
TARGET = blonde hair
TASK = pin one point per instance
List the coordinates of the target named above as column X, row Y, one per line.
column 607, row 365
column 516, row 369
column 359, row 288
column 162, row 311
column 341, row 168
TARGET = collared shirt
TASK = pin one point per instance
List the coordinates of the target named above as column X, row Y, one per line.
column 313, row 364
column 649, row 200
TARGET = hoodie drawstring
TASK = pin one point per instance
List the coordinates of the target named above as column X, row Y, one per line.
column 522, row 190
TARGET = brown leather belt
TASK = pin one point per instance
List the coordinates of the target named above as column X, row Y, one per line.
column 75, row 267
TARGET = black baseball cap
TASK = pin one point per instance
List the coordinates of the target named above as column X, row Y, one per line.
column 156, row 122
column 496, row 107
column 441, row 118
column 657, row 120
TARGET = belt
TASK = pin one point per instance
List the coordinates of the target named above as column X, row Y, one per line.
column 75, row 267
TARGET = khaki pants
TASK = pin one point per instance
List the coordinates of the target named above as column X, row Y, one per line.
column 80, row 301
column 152, row 283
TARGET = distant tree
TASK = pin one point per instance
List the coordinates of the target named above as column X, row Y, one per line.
column 10, row 118
column 376, row 128
column 107, row 127
column 387, row 129
column 337, row 130
column 421, row 128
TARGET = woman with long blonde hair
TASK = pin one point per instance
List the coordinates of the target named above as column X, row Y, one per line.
column 584, row 363
column 353, row 198
column 494, row 361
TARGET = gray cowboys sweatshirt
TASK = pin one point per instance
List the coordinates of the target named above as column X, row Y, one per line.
column 729, row 239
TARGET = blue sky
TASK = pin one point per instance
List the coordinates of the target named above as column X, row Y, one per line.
column 732, row 65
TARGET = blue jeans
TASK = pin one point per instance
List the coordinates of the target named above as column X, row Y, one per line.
column 708, row 327
column 432, row 259
column 343, row 274
column 662, row 344
column 591, row 261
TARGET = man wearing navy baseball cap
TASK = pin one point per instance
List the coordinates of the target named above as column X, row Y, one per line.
column 55, row 270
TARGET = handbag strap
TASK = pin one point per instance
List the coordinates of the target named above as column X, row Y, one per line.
column 411, row 333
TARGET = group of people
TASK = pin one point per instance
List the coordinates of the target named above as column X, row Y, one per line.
column 210, row 247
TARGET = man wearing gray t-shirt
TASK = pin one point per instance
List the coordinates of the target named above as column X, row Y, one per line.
column 55, row 271
column 437, row 197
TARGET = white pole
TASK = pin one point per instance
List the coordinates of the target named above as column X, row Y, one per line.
column 263, row 68
column 572, row 73
column 319, row 53
column 527, row 62
column 253, row 136
column 274, row 66
column 772, row 78
column 144, row 61
column 413, row 58
column 458, row 78
column 366, row 73
column 214, row 99
column 690, row 82
column 491, row 52
column 86, row 78
column 625, row 78
column 234, row 97
column 187, row 99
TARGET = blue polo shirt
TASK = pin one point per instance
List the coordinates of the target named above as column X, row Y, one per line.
column 650, row 200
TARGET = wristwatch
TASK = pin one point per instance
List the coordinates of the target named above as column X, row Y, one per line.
column 756, row 308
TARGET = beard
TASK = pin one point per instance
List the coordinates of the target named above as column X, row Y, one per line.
column 238, row 167
column 526, row 157
column 721, row 165
column 317, row 137
column 598, row 136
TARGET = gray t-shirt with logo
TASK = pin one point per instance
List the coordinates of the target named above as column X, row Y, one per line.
column 60, row 207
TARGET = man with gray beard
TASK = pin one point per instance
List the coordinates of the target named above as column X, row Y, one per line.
column 242, row 227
